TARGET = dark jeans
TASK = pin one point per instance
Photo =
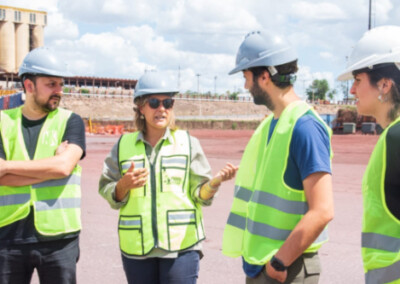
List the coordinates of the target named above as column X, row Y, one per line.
column 55, row 262
column 181, row 270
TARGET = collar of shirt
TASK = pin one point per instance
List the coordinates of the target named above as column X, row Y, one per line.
column 151, row 152
column 167, row 135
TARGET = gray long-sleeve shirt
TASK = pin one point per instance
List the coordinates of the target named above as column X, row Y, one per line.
column 200, row 172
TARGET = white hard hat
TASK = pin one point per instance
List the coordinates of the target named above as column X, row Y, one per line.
column 43, row 61
column 262, row 48
column 377, row 46
column 153, row 82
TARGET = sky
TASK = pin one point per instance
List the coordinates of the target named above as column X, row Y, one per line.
column 194, row 42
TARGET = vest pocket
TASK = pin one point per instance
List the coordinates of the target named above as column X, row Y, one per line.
column 182, row 229
column 173, row 174
column 131, row 234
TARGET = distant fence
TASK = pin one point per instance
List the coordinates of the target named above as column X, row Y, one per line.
column 194, row 97
column 11, row 99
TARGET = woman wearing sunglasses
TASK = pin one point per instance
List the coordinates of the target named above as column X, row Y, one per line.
column 159, row 178
column 375, row 67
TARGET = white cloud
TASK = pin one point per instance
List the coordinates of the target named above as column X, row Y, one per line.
column 60, row 28
column 326, row 55
column 122, row 38
column 321, row 11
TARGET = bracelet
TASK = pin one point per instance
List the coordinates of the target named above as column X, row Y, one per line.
column 213, row 189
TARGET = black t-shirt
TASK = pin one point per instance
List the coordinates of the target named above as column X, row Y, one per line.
column 23, row 231
column 392, row 175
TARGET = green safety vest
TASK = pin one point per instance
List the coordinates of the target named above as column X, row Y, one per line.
column 380, row 229
column 265, row 210
column 56, row 202
column 162, row 214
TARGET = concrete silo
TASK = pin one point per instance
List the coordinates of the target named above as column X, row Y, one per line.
column 21, row 30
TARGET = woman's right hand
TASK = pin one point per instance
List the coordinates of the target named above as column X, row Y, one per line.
column 133, row 178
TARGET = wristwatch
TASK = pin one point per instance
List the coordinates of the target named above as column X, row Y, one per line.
column 277, row 264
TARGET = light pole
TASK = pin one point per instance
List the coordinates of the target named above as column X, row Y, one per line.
column 215, row 85
column 347, row 84
column 369, row 15
column 198, row 91
column 198, row 83
column 179, row 77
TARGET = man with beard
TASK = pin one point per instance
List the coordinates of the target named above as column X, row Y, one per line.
column 279, row 216
column 40, row 147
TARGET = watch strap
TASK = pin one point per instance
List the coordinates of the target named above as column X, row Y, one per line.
column 277, row 264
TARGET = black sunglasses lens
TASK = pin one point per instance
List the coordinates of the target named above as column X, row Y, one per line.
column 168, row 103
column 154, row 103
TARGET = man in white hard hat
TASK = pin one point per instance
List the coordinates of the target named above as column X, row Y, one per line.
column 40, row 147
column 283, row 190
column 374, row 65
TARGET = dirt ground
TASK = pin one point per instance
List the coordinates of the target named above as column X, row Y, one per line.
column 100, row 260
column 120, row 108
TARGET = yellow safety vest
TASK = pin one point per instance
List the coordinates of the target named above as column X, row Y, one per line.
column 380, row 229
column 265, row 210
column 162, row 214
column 56, row 202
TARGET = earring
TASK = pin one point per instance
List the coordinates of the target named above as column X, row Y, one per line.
column 382, row 99
column 141, row 116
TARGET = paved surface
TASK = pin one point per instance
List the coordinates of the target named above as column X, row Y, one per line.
column 100, row 260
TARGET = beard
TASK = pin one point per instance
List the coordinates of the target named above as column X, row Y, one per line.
column 261, row 97
column 50, row 105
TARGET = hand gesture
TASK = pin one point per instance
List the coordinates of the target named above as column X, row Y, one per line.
column 226, row 173
column 133, row 178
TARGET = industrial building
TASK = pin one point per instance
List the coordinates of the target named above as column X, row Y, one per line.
column 21, row 30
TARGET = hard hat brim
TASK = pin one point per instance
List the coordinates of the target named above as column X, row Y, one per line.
column 235, row 70
column 346, row 75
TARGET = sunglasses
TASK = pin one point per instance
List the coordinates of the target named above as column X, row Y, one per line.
column 154, row 103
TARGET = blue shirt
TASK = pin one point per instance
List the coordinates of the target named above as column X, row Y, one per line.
column 309, row 153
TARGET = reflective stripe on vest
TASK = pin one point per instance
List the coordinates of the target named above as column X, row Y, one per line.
column 14, row 199
column 69, row 180
column 130, row 223
column 264, row 208
column 61, row 203
column 160, row 214
column 381, row 242
column 243, row 193
column 287, row 206
column 383, row 275
column 138, row 165
column 380, row 229
column 267, row 231
column 57, row 201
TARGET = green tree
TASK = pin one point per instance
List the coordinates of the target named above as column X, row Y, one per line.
column 233, row 96
column 317, row 90
column 332, row 93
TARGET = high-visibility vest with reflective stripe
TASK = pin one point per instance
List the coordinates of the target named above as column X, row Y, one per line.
column 265, row 210
column 161, row 214
column 56, row 202
column 380, row 228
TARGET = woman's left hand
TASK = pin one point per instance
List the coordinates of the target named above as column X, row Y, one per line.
column 226, row 173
